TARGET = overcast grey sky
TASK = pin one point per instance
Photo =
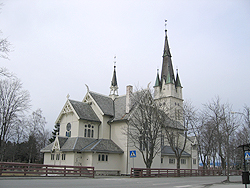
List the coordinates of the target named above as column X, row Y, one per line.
column 61, row 45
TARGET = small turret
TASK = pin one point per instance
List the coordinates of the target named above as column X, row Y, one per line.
column 157, row 86
column 177, row 81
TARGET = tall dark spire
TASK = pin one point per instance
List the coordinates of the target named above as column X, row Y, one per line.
column 114, row 85
column 114, row 80
column 167, row 73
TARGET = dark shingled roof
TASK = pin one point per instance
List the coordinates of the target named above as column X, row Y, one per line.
column 104, row 102
column 84, row 111
column 167, row 150
column 48, row 148
column 81, row 144
column 120, row 108
column 76, row 143
column 103, row 146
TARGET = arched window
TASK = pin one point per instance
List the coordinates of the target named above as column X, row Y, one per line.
column 89, row 131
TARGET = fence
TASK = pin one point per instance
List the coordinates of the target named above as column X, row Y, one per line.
column 29, row 169
column 158, row 172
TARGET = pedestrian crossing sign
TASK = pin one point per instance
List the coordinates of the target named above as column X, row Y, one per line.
column 132, row 154
column 247, row 155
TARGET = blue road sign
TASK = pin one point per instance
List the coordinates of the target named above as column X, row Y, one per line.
column 247, row 155
column 132, row 153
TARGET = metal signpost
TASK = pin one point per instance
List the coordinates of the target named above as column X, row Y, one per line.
column 246, row 155
column 132, row 154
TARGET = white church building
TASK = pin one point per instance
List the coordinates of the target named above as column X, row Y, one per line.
column 92, row 130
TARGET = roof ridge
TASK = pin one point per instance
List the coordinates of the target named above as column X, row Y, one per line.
column 100, row 94
column 75, row 143
column 96, row 144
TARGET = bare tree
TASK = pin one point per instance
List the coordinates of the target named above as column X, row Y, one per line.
column 37, row 133
column 225, row 125
column 4, row 47
column 176, row 132
column 13, row 102
column 213, row 111
column 204, row 132
column 144, row 125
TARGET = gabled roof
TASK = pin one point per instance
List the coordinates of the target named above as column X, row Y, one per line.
column 50, row 147
column 84, row 111
column 167, row 150
column 81, row 144
column 105, row 103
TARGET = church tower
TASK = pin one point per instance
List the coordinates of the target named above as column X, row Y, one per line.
column 168, row 88
column 114, row 86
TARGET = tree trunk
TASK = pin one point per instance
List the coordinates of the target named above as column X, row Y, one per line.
column 178, row 165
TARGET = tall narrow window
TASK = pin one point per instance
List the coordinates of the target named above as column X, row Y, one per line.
column 106, row 157
column 88, row 132
column 85, row 132
column 103, row 157
column 68, row 130
column 52, row 157
column 99, row 157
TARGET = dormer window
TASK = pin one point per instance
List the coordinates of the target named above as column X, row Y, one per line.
column 89, row 131
column 68, row 130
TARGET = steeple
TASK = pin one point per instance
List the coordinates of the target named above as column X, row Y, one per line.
column 167, row 73
column 114, row 85
column 168, row 89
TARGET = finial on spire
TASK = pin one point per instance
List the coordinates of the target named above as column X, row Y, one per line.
column 115, row 61
column 166, row 28
column 68, row 96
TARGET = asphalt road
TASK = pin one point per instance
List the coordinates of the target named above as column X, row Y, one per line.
column 121, row 182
